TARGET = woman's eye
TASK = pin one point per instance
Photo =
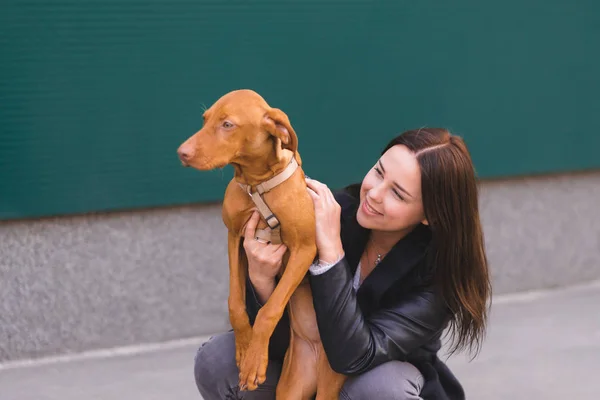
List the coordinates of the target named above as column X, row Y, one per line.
column 227, row 124
column 378, row 171
column 398, row 195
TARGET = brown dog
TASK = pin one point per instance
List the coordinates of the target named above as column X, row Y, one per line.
column 259, row 142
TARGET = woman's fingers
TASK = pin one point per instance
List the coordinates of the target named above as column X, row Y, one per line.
column 315, row 189
column 320, row 191
column 250, row 243
column 315, row 185
column 329, row 196
column 319, row 188
column 251, row 225
column 316, row 199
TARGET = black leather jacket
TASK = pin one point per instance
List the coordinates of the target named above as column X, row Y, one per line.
column 396, row 314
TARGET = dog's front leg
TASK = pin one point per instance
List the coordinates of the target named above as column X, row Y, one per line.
column 254, row 364
column 237, row 293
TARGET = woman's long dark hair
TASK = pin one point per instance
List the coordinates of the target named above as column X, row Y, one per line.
column 450, row 202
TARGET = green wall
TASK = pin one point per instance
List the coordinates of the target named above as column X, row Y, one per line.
column 96, row 96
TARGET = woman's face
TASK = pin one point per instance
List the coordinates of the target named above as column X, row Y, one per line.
column 390, row 195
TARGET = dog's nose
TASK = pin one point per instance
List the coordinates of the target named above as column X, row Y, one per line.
column 185, row 154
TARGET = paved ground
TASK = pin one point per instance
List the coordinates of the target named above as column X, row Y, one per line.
column 541, row 345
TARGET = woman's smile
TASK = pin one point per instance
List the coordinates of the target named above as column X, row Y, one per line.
column 370, row 210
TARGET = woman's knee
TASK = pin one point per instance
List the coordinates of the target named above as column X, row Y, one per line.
column 214, row 364
column 395, row 380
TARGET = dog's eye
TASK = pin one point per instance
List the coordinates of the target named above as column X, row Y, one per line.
column 227, row 124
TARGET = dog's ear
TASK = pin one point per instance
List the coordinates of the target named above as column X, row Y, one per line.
column 277, row 123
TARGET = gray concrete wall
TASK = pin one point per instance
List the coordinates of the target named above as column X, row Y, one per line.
column 96, row 281
column 88, row 282
column 542, row 232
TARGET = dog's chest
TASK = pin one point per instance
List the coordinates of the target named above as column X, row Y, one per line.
column 237, row 209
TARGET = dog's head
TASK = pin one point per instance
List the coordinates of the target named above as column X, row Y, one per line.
column 239, row 127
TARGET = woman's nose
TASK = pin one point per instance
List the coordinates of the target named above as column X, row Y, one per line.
column 375, row 194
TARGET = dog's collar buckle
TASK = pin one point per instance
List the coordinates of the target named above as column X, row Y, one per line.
column 273, row 225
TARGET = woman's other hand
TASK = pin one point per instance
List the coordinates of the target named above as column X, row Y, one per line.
column 264, row 260
column 327, row 215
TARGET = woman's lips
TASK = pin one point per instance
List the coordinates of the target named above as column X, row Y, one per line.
column 369, row 210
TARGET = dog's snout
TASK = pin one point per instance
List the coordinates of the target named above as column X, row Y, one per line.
column 185, row 153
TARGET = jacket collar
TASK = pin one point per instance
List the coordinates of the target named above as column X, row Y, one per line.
column 406, row 254
column 402, row 259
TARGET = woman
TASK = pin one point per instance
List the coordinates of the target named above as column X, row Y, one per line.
column 401, row 258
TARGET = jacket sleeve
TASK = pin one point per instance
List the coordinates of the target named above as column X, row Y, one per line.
column 355, row 344
column 280, row 339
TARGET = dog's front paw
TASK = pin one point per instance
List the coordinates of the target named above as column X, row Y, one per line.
column 242, row 342
column 253, row 370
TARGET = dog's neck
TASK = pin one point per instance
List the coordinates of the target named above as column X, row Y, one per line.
column 249, row 172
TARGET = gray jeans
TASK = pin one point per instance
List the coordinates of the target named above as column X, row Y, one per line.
column 217, row 377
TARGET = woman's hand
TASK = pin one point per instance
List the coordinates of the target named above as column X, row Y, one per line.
column 264, row 260
column 327, row 215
